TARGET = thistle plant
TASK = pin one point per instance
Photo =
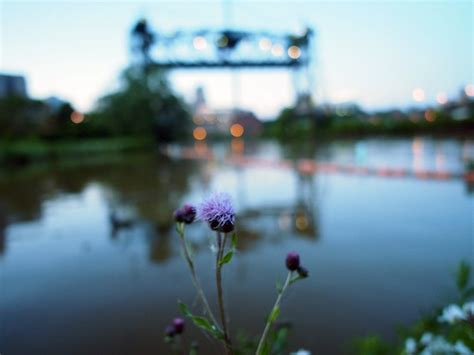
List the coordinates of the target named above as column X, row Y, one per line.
column 218, row 213
column 173, row 333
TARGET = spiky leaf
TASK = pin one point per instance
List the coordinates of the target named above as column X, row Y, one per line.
column 184, row 309
column 227, row 258
column 203, row 323
column 274, row 314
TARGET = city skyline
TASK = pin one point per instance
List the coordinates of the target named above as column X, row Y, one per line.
column 425, row 45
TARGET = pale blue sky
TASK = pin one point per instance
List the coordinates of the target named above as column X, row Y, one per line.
column 374, row 53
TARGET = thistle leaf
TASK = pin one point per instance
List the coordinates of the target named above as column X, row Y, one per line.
column 274, row 314
column 184, row 309
column 279, row 286
column 294, row 279
column 203, row 323
column 227, row 258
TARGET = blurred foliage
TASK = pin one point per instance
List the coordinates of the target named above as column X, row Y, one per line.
column 143, row 105
column 20, row 151
column 441, row 332
column 352, row 121
column 372, row 345
column 463, row 275
column 277, row 341
column 24, row 117
column 142, row 110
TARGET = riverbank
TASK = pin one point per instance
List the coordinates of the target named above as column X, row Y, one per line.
column 27, row 151
column 296, row 128
column 35, row 150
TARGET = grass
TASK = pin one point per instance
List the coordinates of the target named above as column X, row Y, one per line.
column 32, row 150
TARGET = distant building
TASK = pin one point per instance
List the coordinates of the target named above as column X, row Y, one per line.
column 234, row 122
column 304, row 104
column 251, row 125
column 12, row 85
column 200, row 101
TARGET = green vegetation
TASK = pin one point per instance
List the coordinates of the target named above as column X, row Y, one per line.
column 141, row 112
column 23, row 117
column 444, row 330
column 291, row 125
column 35, row 150
column 144, row 105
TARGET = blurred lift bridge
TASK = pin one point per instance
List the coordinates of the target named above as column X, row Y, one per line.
column 228, row 49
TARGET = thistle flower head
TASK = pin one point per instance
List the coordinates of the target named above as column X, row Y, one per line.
column 302, row 271
column 178, row 325
column 218, row 212
column 169, row 331
column 185, row 214
column 292, row 261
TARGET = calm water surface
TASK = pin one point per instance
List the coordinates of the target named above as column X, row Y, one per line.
column 380, row 249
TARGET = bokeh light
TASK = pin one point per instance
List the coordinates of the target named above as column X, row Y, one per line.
column 469, row 90
column 77, row 117
column 237, row 130
column 301, row 222
column 294, row 52
column 199, row 133
column 442, row 98
column 265, row 44
column 199, row 43
column 430, row 115
column 277, row 50
column 418, row 95
column 223, row 42
column 237, row 146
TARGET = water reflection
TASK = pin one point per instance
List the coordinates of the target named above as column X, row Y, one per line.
column 99, row 234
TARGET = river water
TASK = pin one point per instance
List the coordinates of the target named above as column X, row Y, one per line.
column 380, row 224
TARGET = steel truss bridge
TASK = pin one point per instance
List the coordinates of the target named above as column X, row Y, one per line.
column 227, row 49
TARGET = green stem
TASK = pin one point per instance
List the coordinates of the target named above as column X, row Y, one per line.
column 195, row 279
column 220, row 296
column 261, row 343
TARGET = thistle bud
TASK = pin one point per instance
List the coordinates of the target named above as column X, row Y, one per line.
column 302, row 271
column 226, row 227
column 178, row 325
column 293, row 261
column 169, row 331
column 185, row 214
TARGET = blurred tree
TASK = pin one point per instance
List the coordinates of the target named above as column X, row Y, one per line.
column 145, row 104
column 20, row 116
column 58, row 123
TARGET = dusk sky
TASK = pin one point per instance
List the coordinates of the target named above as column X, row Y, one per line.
column 372, row 53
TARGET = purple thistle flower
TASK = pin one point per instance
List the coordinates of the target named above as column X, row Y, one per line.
column 302, row 271
column 185, row 214
column 218, row 212
column 169, row 331
column 292, row 261
column 178, row 325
